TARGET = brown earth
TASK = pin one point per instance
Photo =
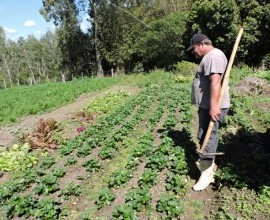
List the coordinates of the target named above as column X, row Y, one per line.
column 253, row 86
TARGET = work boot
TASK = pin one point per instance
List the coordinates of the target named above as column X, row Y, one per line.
column 207, row 168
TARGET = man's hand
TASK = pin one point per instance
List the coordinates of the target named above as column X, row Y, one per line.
column 214, row 113
column 215, row 90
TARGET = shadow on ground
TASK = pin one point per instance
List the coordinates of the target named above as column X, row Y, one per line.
column 183, row 139
column 246, row 160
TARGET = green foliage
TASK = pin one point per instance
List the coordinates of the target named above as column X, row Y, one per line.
column 48, row 209
column 20, row 206
column 264, row 195
column 47, row 162
column 108, row 103
column 71, row 190
column 263, row 75
column 20, row 101
column 18, row 157
column 185, row 68
column 92, row 165
column 171, row 206
column 176, row 183
column 71, row 161
column 162, row 45
column 105, row 197
column 123, row 212
column 216, row 19
column 239, row 73
column 118, row 178
column 148, row 178
column 157, row 161
column 245, row 204
column 139, row 199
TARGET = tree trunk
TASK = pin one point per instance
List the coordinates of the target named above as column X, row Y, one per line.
column 30, row 68
column 5, row 85
column 63, row 77
column 120, row 70
column 7, row 69
column 98, row 59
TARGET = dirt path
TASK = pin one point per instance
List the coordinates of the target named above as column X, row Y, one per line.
column 9, row 134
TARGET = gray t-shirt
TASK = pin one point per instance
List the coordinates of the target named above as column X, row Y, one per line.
column 214, row 61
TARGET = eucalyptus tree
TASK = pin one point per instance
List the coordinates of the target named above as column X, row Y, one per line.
column 4, row 58
column 27, row 53
column 17, row 61
column 66, row 16
column 93, row 12
column 50, row 56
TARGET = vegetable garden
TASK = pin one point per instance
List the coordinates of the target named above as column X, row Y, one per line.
column 136, row 161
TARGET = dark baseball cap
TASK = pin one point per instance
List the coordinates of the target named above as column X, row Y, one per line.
column 197, row 38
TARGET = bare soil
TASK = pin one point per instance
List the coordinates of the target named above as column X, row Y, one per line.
column 253, row 86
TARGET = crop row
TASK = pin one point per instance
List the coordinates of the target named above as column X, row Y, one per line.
column 108, row 134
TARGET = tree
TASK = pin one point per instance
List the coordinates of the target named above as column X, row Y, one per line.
column 94, row 16
column 4, row 56
column 162, row 45
column 66, row 16
column 217, row 19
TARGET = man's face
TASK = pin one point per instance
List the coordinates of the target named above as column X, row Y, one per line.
column 197, row 51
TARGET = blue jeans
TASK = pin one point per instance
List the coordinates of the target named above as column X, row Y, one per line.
column 204, row 120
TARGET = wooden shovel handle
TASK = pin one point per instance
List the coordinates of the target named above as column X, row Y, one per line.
column 223, row 86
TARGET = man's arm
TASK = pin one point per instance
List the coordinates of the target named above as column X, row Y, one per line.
column 215, row 89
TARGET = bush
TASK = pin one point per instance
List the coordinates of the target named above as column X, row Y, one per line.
column 185, row 68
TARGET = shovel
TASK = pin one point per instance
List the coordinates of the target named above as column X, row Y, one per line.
column 224, row 83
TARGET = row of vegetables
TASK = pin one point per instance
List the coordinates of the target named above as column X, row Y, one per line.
column 36, row 192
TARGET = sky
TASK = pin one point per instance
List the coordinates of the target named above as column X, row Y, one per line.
column 21, row 18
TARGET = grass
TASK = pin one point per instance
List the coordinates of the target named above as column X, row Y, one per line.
column 31, row 100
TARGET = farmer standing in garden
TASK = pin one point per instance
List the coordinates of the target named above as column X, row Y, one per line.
column 206, row 89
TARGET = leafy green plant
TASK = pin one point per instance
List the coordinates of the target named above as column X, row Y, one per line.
column 157, row 161
column 71, row 161
column 49, row 183
column 107, row 103
column 47, row 162
column 171, row 206
column 123, row 212
column 18, row 157
column 185, row 68
column 20, row 206
column 105, row 197
column 106, row 153
column 84, row 150
column 59, row 172
column 92, row 165
column 176, row 183
column 139, row 199
column 71, row 190
column 118, row 178
column 47, row 209
column 148, row 178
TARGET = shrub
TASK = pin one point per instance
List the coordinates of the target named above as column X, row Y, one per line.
column 185, row 68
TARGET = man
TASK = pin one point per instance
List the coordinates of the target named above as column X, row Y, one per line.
column 206, row 89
